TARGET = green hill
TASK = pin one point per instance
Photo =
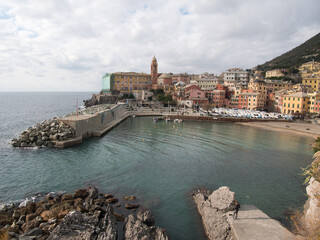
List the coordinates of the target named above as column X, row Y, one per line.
column 308, row 51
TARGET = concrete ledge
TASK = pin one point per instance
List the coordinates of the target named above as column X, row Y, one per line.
column 68, row 143
column 253, row 224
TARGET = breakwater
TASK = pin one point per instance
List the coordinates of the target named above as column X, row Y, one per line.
column 98, row 120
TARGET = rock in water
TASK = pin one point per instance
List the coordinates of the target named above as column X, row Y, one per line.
column 213, row 212
column 135, row 229
column 222, row 199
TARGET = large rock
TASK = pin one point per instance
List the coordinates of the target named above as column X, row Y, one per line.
column 79, row 226
column 146, row 217
column 222, row 199
column 135, row 229
column 213, row 214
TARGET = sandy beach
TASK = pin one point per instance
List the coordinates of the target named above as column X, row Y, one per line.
column 305, row 129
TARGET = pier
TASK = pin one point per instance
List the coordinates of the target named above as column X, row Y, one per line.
column 253, row 224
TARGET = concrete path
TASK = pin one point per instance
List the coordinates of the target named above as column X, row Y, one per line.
column 253, row 224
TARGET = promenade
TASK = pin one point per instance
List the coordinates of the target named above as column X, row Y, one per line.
column 253, row 224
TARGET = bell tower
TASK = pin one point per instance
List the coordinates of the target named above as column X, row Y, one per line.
column 154, row 72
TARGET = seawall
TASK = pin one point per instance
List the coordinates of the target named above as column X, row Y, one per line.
column 99, row 123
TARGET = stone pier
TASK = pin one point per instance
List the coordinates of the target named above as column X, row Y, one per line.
column 253, row 224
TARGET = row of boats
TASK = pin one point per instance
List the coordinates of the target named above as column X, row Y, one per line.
column 156, row 119
column 244, row 113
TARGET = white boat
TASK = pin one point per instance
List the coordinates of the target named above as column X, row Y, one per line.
column 177, row 120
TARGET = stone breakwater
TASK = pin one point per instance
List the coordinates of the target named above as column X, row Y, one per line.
column 213, row 209
column 44, row 134
column 84, row 215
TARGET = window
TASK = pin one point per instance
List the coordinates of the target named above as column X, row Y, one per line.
column 293, row 105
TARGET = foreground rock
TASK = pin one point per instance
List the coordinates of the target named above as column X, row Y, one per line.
column 80, row 216
column 44, row 134
column 213, row 209
column 142, row 227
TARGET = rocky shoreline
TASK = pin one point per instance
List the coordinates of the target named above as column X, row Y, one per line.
column 44, row 134
column 84, row 215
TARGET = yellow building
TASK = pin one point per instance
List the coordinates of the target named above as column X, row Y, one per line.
column 274, row 73
column 310, row 73
column 313, row 97
column 126, row 82
column 299, row 102
column 295, row 103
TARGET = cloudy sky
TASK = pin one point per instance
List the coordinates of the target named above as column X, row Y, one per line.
column 67, row 45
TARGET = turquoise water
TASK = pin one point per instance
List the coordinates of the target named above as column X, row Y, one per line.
column 160, row 163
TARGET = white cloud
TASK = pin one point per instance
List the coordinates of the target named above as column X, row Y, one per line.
column 69, row 45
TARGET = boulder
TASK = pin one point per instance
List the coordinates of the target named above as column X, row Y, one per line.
column 222, row 199
column 66, row 197
column 5, row 218
column 30, row 225
column 81, row 193
column 131, row 206
column 119, row 217
column 129, row 198
column 108, row 196
column 79, row 226
column 213, row 214
column 111, row 201
column 136, row 229
column 146, row 217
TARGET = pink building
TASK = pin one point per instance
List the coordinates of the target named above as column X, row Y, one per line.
column 198, row 97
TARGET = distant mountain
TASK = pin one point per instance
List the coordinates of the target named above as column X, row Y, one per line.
column 308, row 51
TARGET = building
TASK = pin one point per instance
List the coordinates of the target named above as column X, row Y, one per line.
column 274, row 73
column 218, row 98
column 207, row 84
column 126, row 82
column 106, row 83
column 180, row 77
column 164, row 80
column 313, row 98
column 198, row 97
column 235, row 75
column 317, row 106
column 251, row 100
column 310, row 73
column 154, row 72
column 295, row 103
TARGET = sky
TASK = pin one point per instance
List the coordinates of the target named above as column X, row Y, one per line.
column 67, row 45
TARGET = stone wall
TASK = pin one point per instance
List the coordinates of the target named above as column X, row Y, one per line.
column 85, row 126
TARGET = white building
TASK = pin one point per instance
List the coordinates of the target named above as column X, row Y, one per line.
column 235, row 75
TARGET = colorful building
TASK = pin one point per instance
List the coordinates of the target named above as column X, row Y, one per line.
column 310, row 73
column 295, row 103
column 251, row 100
column 198, row 97
column 274, row 73
column 126, row 82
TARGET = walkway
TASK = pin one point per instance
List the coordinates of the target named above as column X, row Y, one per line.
column 253, row 224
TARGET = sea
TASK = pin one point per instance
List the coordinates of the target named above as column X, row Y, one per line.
column 160, row 163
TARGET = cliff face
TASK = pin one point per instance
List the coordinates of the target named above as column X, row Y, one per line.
column 312, row 207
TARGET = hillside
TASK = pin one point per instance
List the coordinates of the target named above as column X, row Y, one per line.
column 307, row 51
